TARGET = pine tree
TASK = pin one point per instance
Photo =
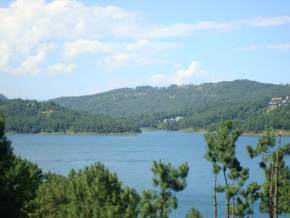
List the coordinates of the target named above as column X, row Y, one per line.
column 221, row 152
column 193, row 213
column 19, row 180
column 168, row 180
column 276, row 172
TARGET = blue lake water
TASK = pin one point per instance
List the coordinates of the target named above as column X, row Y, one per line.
column 131, row 156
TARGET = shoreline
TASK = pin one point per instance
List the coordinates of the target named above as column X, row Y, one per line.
column 283, row 132
column 81, row 133
column 188, row 130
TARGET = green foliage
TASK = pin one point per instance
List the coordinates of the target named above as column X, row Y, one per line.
column 277, row 174
column 34, row 117
column 193, row 213
column 283, row 191
column 221, row 151
column 92, row 192
column 247, row 199
column 202, row 106
column 166, row 177
column 168, row 180
column 19, row 180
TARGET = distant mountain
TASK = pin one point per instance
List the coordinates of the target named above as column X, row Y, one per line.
column 25, row 116
column 200, row 105
column 3, row 97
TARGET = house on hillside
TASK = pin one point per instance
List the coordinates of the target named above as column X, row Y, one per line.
column 278, row 102
column 173, row 119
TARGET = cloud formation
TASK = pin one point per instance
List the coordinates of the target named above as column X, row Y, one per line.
column 279, row 46
column 273, row 46
column 193, row 74
column 38, row 36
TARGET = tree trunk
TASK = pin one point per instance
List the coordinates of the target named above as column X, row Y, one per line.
column 271, row 191
column 233, row 207
column 215, row 197
column 227, row 197
column 276, row 194
column 276, row 186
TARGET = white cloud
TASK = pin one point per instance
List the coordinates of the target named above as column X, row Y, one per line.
column 4, row 56
column 192, row 74
column 61, row 68
column 279, row 46
column 116, row 36
column 269, row 21
column 185, row 29
column 112, row 54
column 251, row 47
column 31, row 64
column 274, row 46
column 78, row 47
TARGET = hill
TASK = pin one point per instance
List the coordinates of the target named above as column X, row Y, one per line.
column 3, row 97
column 201, row 105
column 26, row 116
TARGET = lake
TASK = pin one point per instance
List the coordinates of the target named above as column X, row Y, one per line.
column 131, row 156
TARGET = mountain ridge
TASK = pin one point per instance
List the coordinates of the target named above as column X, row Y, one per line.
column 3, row 97
column 202, row 105
column 30, row 116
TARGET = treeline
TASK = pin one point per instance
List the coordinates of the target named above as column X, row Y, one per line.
column 97, row 193
column 202, row 106
column 253, row 121
column 25, row 116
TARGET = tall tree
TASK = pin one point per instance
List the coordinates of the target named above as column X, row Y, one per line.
column 168, row 180
column 221, row 152
column 212, row 155
column 276, row 172
column 19, row 180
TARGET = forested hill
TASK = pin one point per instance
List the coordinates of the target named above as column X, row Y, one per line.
column 127, row 102
column 3, row 97
column 26, row 116
column 200, row 105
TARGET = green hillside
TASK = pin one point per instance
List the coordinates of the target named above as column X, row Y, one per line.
column 26, row 116
column 3, row 97
column 201, row 106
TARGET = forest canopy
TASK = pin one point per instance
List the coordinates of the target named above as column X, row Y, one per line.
column 26, row 116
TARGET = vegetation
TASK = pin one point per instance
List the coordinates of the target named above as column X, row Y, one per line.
column 96, row 192
column 202, row 106
column 19, row 180
column 241, row 195
column 276, row 187
column 168, row 180
column 221, row 152
column 193, row 213
column 92, row 192
column 25, row 116
column 256, row 121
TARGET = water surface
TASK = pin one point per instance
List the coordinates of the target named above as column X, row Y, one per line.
column 131, row 156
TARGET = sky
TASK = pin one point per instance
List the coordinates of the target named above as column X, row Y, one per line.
column 53, row 48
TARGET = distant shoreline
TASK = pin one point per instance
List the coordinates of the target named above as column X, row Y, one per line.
column 283, row 132
column 80, row 133
column 203, row 131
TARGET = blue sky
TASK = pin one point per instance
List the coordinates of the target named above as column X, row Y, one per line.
column 63, row 48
